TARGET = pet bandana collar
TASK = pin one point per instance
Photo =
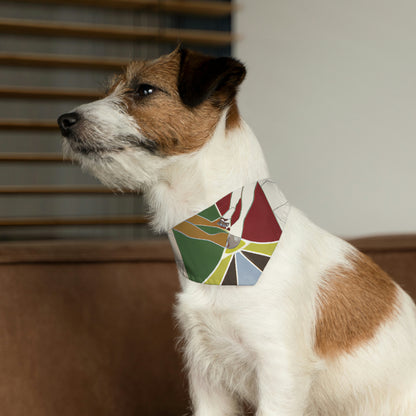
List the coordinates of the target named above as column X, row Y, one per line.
column 231, row 242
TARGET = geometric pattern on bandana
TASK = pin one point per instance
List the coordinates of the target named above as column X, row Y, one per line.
column 231, row 242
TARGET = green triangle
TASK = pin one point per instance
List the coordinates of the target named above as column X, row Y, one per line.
column 199, row 256
column 211, row 213
column 211, row 230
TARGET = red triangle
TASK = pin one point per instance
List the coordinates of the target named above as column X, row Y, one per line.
column 223, row 204
column 260, row 223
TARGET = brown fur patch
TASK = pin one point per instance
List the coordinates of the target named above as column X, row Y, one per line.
column 162, row 117
column 353, row 303
column 233, row 116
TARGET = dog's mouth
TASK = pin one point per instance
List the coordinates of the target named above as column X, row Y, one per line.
column 79, row 136
column 89, row 139
column 78, row 145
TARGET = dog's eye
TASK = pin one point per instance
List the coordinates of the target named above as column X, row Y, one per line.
column 143, row 90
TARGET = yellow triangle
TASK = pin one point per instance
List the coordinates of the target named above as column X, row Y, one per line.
column 233, row 250
column 266, row 248
column 218, row 274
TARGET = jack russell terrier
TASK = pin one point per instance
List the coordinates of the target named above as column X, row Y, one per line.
column 275, row 312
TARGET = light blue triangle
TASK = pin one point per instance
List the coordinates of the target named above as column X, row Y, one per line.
column 247, row 273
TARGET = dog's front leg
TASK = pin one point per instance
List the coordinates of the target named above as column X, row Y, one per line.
column 210, row 399
column 283, row 386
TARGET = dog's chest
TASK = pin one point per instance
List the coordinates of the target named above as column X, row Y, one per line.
column 215, row 341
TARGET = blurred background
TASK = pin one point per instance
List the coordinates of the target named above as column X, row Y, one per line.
column 330, row 93
column 55, row 55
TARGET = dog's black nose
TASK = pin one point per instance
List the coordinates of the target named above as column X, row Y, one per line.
column 67, row 121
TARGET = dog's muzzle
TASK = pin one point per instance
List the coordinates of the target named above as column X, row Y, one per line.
column 67, row 123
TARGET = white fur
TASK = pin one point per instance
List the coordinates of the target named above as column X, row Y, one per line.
column 107, row 124
column 257, row 343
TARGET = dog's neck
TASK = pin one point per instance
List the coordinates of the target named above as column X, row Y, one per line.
column 190, row 183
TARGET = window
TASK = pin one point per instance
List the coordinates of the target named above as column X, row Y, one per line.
column 55, row 55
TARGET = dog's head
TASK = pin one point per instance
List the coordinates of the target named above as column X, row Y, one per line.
column 154, row 111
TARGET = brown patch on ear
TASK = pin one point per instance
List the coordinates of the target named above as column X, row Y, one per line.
column 167, row 124
column 233, row 116
column 203, row 77
column 353, row 303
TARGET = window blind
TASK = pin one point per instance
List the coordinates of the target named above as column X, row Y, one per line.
column 55, row 55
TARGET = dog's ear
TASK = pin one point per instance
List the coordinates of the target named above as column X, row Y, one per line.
column 202, row 77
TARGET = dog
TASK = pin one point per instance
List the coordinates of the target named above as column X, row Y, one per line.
column 321, row 330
